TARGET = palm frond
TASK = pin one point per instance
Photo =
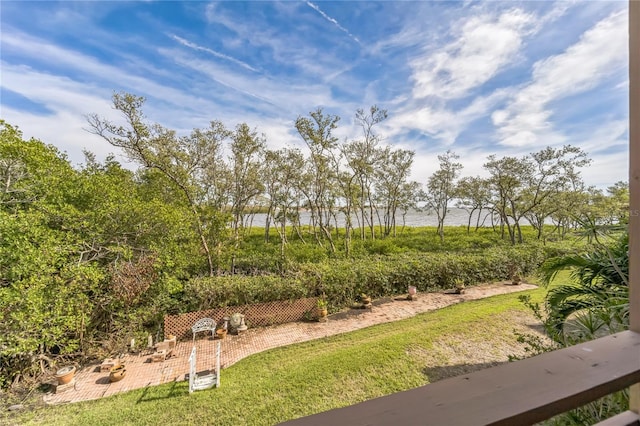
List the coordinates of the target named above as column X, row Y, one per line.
column 550, row 268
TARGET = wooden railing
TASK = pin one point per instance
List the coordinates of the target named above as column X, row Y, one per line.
column 517, row 393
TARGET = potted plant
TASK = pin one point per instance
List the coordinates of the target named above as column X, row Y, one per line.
column 515, row 278
column 366, row 300
column 65, row 374
column 117, row 373
column 413, row 291
column 514, row 274
column 323, row 310
column 459, row 286
column 221, row 333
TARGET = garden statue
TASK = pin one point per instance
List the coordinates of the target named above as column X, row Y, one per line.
column 237, row 322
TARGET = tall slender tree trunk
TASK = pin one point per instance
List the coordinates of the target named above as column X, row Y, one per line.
column 203, row 240
column 267, row 224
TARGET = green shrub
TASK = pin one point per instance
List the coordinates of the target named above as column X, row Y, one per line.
column 307, row 253
column 383, row 247
column 212, row 292
column 341, row 280
column 256, row 263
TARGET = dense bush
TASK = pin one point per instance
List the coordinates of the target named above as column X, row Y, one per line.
column 212, row 292
column 342, row 280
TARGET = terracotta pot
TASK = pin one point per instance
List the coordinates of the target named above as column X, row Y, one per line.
column 221, row 333
column 65, row 374
column 412, row 290
column 117, row 373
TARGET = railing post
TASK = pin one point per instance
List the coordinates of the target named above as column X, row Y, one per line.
column 634, row 180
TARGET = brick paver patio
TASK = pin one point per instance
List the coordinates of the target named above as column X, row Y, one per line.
column 141, row 372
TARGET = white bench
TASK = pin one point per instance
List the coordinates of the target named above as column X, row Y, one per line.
column 204, row 324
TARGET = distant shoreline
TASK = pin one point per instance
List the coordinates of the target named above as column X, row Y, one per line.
column 413, row 218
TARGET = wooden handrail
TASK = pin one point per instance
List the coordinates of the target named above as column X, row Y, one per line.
column 517, row 393
column 634, row 182
column 627, row 418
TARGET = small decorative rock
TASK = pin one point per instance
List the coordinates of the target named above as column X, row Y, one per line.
column 109, row 363
column 159, row 356
column 16, row 407
column 66, row 387
column 459, row 289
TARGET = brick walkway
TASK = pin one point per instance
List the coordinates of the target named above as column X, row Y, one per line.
column 93, row 384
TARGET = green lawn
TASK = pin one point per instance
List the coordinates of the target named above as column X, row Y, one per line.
column 307, row 378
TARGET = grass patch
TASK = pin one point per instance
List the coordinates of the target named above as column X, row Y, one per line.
column 302, row 379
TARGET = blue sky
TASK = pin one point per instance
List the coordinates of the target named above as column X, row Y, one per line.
column 479, row 78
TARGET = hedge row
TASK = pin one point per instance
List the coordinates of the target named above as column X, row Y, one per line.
column 341, row 281
column 234, row 290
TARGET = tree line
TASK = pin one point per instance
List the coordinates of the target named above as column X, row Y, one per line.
column 87, row 251
column 364, row 181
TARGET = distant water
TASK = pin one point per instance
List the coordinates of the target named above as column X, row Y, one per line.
column 455, row 217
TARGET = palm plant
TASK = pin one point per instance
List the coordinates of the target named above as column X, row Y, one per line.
column 597, row 299
column 595, row 302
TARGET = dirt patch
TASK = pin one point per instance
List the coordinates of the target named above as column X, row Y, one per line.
column 487, row 345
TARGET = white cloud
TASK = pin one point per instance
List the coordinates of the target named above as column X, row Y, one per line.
column 426, row 163
column 280, row 50
column 287, row 97
column 98, row 73
column 214, row 15
column 483, row 46
column 442, row 124
column 332, row 20
column 194, row 46
column 69, row 101
column 280, row 133
column 601, row 51
column 607, row 169
column 600, row 136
